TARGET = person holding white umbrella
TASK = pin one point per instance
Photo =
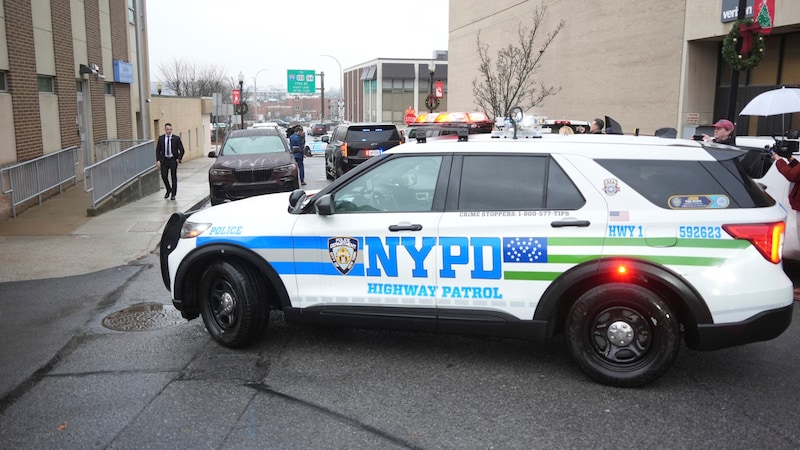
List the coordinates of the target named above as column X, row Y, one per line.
column 791, row 171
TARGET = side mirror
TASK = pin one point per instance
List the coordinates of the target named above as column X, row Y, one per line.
column 325, row 138
column 295, row 197
column 324, row 205
column 212, row 154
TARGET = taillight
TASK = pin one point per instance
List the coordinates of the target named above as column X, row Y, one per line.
column 344, row 149
column 767, row 238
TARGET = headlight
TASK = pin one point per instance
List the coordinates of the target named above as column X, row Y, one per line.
column 193, row 229
column 286, row 168
column 220, row 172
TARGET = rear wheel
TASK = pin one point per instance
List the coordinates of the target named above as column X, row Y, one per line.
column 233, row 303
column 622, row 335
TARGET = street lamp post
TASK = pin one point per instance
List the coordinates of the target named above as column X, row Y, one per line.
column 341, row 84
column 241, row 99
column 255, row 88
column 431, row 102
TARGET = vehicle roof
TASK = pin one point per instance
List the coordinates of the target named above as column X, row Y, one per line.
column 261, row 131
column 590, row 145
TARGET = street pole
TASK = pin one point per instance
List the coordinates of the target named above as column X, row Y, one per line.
column 322, row 97
column 431, row 71
column 341, row 77
column 241, row 100
column 735, row 74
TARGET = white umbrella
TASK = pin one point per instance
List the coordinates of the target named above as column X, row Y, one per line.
column 774, row 102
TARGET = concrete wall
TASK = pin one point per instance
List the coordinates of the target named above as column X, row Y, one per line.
column 188, row 121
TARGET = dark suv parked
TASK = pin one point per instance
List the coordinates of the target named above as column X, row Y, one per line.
column 352, row 144
column 252, row 162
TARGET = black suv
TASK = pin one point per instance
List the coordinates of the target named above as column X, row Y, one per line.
column 352, row 144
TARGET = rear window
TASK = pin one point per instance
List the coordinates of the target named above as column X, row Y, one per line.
column 372, row 134
column 690, row 184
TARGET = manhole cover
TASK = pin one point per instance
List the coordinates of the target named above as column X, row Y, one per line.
column 143, row 317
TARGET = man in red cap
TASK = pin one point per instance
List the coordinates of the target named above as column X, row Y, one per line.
column 723, row 133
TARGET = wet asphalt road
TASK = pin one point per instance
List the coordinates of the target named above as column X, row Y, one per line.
column 69, row 382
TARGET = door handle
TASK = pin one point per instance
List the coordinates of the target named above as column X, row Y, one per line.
column 570, row 223
column 406, row 227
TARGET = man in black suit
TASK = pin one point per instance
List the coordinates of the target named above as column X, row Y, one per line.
column 169, row 153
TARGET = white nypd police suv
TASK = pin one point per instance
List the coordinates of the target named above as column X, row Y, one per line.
column 626, row 245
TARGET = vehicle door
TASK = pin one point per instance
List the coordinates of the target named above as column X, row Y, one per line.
column 375, row 248
column 513, row 223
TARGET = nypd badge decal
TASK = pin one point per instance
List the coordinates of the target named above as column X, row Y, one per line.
column 343, row 252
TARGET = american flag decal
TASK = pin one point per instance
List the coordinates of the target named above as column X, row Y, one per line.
column 619, row 216
column 525, row 250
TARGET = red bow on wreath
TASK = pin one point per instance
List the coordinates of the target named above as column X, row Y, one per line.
column 747, row 35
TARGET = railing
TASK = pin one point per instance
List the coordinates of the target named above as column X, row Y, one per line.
column 111, row 147
column 30, row 179
column 103, row 178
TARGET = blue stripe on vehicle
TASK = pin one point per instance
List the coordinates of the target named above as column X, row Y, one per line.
column 314, row 268
column 273, row 242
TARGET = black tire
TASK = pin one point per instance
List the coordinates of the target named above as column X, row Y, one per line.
column 622, row 334
column 233, row 304
column 339, row 169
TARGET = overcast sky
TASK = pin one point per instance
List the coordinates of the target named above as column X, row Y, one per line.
column 251, row 35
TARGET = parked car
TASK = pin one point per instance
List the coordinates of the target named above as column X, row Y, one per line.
column 627, row 246
column 352, row 144
column 317, row 146
column 318, row 129
column 252, row 162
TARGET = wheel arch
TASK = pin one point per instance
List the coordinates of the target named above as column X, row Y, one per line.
column 671, row 287
column 191, row 269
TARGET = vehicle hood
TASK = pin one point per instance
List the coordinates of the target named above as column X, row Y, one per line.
column 250, row 212
column 253, row 161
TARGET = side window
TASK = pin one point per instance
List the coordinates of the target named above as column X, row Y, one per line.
column 686, row 184
column 511, row 182
column 402, row 184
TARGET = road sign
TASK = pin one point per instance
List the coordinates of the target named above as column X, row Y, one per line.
column 409, row 118
column 301, row 82
column 235, row 97
column 341, row 103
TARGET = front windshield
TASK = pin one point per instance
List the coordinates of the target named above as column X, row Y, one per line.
column 250, row 145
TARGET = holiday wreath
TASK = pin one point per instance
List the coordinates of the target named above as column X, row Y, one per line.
column 749, row 33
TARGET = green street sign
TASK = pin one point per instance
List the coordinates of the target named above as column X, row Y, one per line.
column 301, row 81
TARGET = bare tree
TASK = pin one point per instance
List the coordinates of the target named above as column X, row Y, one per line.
column 187, row 79
column 510, row 81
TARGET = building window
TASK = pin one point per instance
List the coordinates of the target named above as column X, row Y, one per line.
column 45, row 84
column 109, row 88
column 131, row 12
column 3, row 83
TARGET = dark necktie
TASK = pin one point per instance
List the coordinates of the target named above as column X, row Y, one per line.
column 169, row 147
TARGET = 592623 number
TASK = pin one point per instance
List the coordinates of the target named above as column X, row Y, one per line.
column 698, row 232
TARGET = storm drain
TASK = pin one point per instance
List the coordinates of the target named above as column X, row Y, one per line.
column 143, row 317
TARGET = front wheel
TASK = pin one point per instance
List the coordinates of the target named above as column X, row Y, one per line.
column 622, row 335
column 233, row 303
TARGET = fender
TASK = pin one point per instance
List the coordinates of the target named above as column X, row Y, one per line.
column 191, row 264
column 560, row 295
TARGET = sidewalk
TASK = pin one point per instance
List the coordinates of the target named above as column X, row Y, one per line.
column 57, row 238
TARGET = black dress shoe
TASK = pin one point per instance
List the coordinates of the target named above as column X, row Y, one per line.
column 167, row 195
column 173, row 198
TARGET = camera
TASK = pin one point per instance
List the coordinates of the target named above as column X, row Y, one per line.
column 697, row 137
column 784, row 149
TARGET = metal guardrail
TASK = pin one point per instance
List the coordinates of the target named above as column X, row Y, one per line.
column 111, row 147
column 33, row 178
column 103, row 178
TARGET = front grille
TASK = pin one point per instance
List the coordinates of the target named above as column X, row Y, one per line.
column 252, row 175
